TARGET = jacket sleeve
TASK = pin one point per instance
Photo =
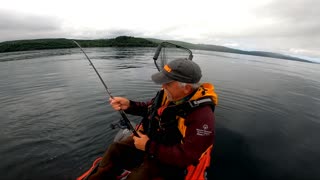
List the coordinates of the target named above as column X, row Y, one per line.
column 199, row 136
column 138, row 108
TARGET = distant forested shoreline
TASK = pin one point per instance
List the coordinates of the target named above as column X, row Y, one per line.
column 61, row 43
column 124, row 41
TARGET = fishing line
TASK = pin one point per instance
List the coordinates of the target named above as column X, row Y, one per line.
column 122, row 113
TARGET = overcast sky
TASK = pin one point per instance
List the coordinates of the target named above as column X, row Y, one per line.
column 285, row 26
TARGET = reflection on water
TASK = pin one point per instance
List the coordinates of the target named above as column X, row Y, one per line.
column 55, row 116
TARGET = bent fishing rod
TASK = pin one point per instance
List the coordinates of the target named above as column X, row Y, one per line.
column 123, row 114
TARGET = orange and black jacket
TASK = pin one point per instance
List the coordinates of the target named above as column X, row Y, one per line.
column 178, row 134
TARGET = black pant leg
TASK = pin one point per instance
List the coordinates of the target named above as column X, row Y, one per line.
column 118, row 156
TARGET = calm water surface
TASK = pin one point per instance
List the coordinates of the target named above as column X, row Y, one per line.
column 55, row 118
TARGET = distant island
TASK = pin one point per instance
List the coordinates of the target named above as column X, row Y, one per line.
column 125, row 41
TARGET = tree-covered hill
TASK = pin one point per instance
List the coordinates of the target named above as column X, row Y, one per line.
column 39, row 44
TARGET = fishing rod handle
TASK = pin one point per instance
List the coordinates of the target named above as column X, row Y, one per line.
column 129, row 125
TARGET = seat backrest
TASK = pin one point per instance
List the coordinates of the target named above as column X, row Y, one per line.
column 199, row 171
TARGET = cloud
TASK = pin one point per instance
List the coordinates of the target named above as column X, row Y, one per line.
column 24, row 26
column 269, row 25
column 280, row 26
column 291, row 18
column 295, row 10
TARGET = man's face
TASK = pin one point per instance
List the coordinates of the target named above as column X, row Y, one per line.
column 174, row 91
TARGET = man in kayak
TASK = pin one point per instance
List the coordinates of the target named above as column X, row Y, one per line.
column 176, row 133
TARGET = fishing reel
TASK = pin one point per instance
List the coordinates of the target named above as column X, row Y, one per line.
column 123, row 132
column 121, row 124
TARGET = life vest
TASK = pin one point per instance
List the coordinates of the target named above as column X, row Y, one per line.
column 204, row 95
column 172, row 131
